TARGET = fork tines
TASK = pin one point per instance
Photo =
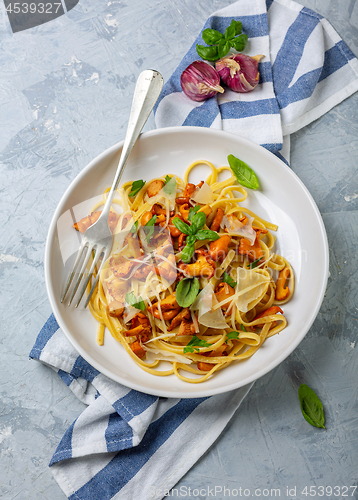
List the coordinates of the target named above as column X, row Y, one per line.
column 84, row 254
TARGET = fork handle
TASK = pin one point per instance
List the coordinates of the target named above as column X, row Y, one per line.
column 146, row 93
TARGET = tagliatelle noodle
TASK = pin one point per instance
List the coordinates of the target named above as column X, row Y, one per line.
column 169, row 346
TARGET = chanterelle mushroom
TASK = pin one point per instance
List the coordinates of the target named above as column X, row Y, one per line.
column 224, row 291
column 204, row 267
column 115, row 291
column 184, row 314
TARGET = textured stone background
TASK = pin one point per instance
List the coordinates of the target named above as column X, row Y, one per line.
column 65, row 92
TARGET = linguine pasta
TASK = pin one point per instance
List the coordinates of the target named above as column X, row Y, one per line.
column 193, row 283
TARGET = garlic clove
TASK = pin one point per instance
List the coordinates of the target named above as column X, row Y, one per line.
column 239, row 71
column 200, row 81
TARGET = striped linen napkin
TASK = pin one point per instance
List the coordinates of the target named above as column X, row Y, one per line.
column 126, row 444
column 130, row 445
column 306, row 71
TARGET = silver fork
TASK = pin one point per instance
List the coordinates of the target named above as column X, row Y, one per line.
column 98, row 238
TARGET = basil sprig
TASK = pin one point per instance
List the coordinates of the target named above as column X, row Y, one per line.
column 186, row 291
column 220, row 44
column 227, row 279
column 311, row 406
column 243, row 173
column 136, row 187
column 195, row 343
column 194, row 232
column 133, row 301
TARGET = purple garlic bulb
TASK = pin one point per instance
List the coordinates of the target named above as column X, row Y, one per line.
column 239, row 72
column 200, row 81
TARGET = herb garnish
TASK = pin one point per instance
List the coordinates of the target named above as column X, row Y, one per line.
column 134, row 228
column 194, row 344
column 136, row 187
column 167, row 179
column 243, row 173
column 255, row 263
column 186, row 291
column 233, row 335
column 149, row 228
column 133, row 301
column 192, row 212
column 227, row 279
column 220, row 44
column 179, row 224
column 311, row 406
column 170, row 186
column 194, row 232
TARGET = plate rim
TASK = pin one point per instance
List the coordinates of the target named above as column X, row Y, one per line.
column 164, row 393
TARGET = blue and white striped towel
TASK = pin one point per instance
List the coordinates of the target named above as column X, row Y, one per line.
column 130, row 445
column 306, row 71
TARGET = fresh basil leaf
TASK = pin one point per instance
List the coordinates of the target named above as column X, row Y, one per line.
column 255, row 263
column 167, row 179
column 192, row 212
column 149, row 228
column 181, row 225
column 230, row 30
column 238, row 26
column 186, row 291
column 187, row 252
column 194, row 343
column 198, row 222
column 211, row 37
column 243, row 328
column 223, row 48
column 191, row 239
column 136, row 187
column 227, row 279
column 133, row 301
column 207, row 53
column 170, row 187
column 233, row 335
column 239, row 42
column 243, row 173
column 207, row 234
column 134, row 228
column 311, row 406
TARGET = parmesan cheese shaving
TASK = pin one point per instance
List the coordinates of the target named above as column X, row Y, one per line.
column 250, row 286
column 129, row 313
column 163, row 355
column 237, row 228
column 208, row 314
column 161, row 337
column 203, row 195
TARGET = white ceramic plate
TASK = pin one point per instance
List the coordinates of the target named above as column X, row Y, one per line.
column 282, row 199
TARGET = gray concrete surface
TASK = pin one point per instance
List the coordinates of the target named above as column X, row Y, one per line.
column 65, row 89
